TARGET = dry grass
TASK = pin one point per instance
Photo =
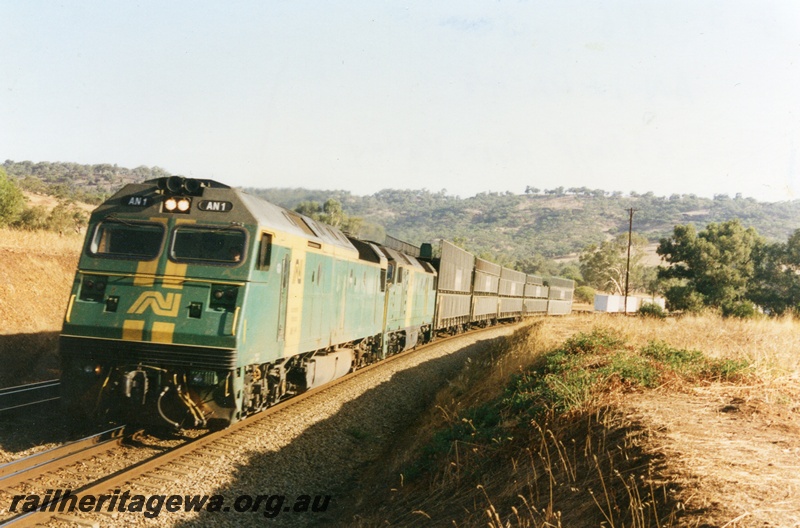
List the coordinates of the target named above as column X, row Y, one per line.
column 588, row 468
column 49, row 202
column 484, row 379
column 44, row 242
column 606, row 462
column 771, row 346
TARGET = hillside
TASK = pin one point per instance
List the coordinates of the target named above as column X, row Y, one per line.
column 550, row 223
column 87, row 183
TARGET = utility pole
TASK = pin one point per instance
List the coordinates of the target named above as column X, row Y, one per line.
column 628, row 265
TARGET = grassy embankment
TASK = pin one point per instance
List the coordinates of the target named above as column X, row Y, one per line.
column 538, row 434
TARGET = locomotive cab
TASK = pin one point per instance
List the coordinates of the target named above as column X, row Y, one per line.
column 150, row 332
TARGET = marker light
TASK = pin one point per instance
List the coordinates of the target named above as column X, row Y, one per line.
column 170, row 204
column 183, row 205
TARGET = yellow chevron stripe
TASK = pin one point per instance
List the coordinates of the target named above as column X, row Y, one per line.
column 145, row 273
column 146, row 270
column 174, row 275
column 174, row 272
column 294, row 304
column 162, row 332
column 132, row 330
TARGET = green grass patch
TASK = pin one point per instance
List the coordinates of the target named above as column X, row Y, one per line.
column 693, row 364
column 569, row 379
column 631, row 368
column 598, row 340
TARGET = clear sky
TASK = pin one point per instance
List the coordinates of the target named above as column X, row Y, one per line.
column 668, row 96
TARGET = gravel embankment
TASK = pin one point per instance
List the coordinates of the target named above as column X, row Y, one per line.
column 315, row 447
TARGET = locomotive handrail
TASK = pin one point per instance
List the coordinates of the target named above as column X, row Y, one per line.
column 161, row 276
column 235, row 320
column 99, row 338
column 69, row 307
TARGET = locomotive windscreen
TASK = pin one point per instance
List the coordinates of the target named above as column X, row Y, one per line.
column 208, row 244
column 127, row 240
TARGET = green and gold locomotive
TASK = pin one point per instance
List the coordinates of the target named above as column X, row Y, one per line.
column 195, row 304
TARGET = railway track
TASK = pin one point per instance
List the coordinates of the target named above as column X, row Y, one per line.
column 18, row 472
column 14, row 475
column 172, row 464
column 23, row 396
column 15, row 472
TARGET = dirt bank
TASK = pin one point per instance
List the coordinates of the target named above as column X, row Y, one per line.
column 35, row 280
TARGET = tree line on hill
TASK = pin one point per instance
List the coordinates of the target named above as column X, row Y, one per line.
column 90, row 184
column 66, row 216
column 724, row 265
column 547, row 224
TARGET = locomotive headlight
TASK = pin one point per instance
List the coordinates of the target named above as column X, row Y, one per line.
column 223, row 297
column 93, row 288
column 177, row 204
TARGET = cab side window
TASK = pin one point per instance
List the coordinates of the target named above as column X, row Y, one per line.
column 265, row 251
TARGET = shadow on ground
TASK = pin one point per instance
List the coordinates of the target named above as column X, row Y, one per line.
column 25, row 358
column 325, row 458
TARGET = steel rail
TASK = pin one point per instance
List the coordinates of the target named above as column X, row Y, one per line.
column 30, row 394
column 16, row 471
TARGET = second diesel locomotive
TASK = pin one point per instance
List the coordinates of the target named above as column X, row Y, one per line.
column 195, row 304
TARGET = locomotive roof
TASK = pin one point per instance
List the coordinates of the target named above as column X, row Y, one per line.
column 402, row 258
column 244, row 208
column 268, row 214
